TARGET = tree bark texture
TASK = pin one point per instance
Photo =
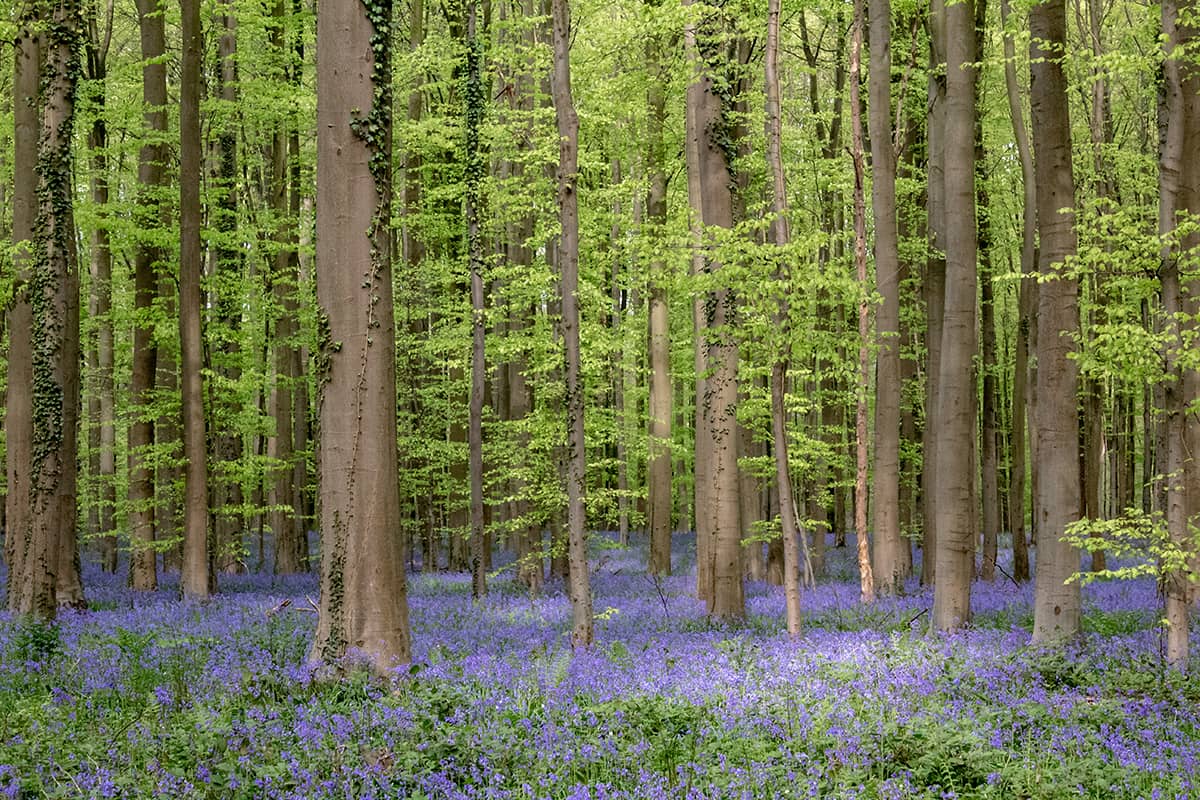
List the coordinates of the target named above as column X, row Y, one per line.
column 888, row 568
column 1057, row 610
column 364, row 607
column 568, row 253
column 196, row 573
column 152, row 157
column 955, row 418
column 474, row 174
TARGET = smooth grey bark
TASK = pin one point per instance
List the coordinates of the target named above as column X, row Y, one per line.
column 568, row 253
column 1057, row 613
column 955, row 418
column 888, row 566
column 364, row 605
column 866, row 577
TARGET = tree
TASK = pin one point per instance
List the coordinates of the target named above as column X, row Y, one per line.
column 866, row 578
column 1179, row 209
column 568, row 262
column 152, row 156
column 363, row 600
column 1057, row 612
column 196, row 573
column 658, row 316
column 781, row 235
column 34, row 591
column 44, row 558
column 475, row 173
column 954, row 506
column 888, row 569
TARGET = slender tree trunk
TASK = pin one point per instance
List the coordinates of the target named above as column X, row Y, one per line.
column 1056, row 610
column 474, row 174
column 702, row 451
column 781, row 235
column 934, row 286
column 866, row 577
column 955, row 419
column 1026, row 302
column 151, row 177
column 888, row 570
column 104, row 420
column 195, row 578
column 568, row 251
column 989, row 455
column 658, row 470
column 29, row 585
column 364, row 605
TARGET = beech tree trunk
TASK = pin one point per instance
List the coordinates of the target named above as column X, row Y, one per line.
column 718, row 400
column 1180, row 202
column 1026, row 306
column 47, row 561
column 934, row 288
column 151, row 178
column 30, row 586
column 866, row 577
column 781, row 235
column 658, row 469
column 955, row 419
column 101, row 287
column 364, row 605
column 888, row 568
column 1057, row 605
column 196, row 574
column 568, row 253
column 474, row 174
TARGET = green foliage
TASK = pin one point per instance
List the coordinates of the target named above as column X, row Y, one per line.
column 1140, row 542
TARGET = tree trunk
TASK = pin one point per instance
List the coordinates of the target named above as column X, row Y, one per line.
column 955, row 418
column 781, row 235
column 364, row 606
column 195, row 577
column 888, row 570
column 104, row 421
column 474, row 174
column 658, row 470
column 934, row 288
column 866, row 578
column 29, row 585
column 568, row 252
column 151, row 177
column 718, row 401
column 1180, row 197
column 47, row 573
column 1026, row 305
column 1056, row 610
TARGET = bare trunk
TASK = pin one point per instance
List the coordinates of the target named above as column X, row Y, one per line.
column 568, row 209
column 474, row 174
column 1056, row 611
column 955, row 418
column 781, row 235
column 866, row 577
column 1180, row 200
column 195, row 577
column 888, row 563
column 364, row 606
column 29, row 583
column 151, row 176
column 658, row 471
column 934, row 287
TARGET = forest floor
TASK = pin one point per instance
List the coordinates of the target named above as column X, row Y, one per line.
column 146, row 696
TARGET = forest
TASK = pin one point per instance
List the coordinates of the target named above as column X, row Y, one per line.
column 574, row 400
